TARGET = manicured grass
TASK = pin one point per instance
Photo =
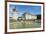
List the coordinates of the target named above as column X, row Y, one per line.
column 21, row 25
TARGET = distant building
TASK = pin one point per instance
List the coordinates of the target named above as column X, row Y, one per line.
column 15, row 14
column 29, row 16
column 26, row 16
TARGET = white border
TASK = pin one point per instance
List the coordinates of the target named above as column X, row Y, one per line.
column 28, row 29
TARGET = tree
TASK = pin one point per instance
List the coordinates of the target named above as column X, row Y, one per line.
column 38, row 16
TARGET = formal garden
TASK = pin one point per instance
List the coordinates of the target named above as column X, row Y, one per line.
column 24, row 24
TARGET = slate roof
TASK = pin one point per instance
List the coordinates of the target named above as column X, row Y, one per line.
column 28, row 13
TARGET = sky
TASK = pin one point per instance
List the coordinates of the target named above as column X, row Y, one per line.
column 35, row 10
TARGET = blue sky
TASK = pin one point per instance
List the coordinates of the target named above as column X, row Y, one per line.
column 35, row 10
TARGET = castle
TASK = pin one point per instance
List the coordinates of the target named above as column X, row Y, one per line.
column 26, row 15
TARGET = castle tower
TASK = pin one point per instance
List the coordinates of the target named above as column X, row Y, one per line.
column 15, row 14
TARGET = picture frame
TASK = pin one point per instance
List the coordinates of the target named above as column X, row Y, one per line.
column 7, row 4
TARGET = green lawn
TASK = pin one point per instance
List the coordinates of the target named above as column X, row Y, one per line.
column 21, row 25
